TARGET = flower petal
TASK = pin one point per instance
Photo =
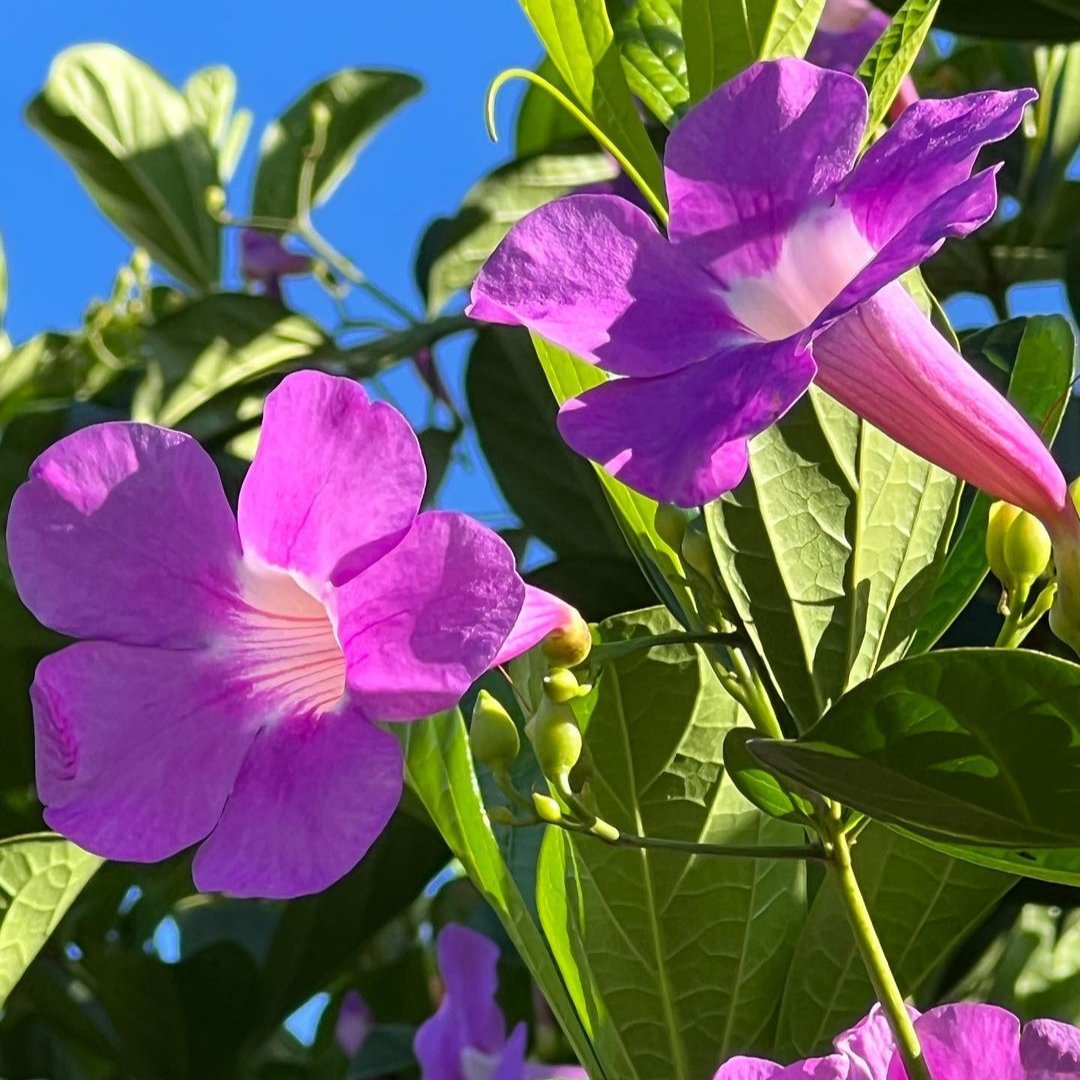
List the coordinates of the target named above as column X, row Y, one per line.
column 754, row 156
column 885, row 361
column 123, row 533
column 540, row 614
column 592, row 274
column 468, row 1017
column 137, row 749
column 424, row 622
column 869, row 1045
column 833, row 1067
column 336, row 481
column 963, row 1041
column 312, row 796
column 747, row 1068
column 1050, row 1050
column 681, row 438
column 928, row 151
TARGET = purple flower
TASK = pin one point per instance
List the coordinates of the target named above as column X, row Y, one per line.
column 354, row 1023
column 959, row 1042
column 232, row 670
column 466, row 1039
column 264, row 258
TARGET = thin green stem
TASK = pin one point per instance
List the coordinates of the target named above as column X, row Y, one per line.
column 873, row 955
column 1019, row 623
column 756, row 698
column 584, row 119
column 807, row 852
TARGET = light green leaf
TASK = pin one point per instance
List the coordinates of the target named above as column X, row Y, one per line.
column 678, row 959
column 829, row 549
column 725, row 36
column 358, row 102
column 439, row 769
column 40, row 876
column 578, row 37
column 923, row 906
column 211, row 94
column 137, row 150
column 977, row 746
column 649, row 36
column 893, row 56
column 452, row 250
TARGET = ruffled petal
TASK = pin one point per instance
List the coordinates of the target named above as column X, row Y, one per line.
column 681, row 438
column 1050, row 1050
column 137, row 748
column 123, row 533
column 540, row 614
column 423, row 623
column 754, row 156
column 963, row 1041
column 747, row 1068
column 928, row 151
column 869, row 1045
column 312, row 796
column 592, row 274
column 468, row 1017
column 336, row 481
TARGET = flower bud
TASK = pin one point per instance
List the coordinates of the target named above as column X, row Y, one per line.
column 500, row 815
column 214, row 199
column 670, row 524
column 1027, row 550
column 320, row 115
column 1074, row 490
column 570, row 644
column 697, row 554
column 493, row 736
column 556, row 741
column 1002, row 515
column 562, row 686
column 547, row 809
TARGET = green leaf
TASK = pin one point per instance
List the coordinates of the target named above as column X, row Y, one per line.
column 40, row 876
column 723, row 38
column 923, row 906
column 578, row 37
column 211, row 94
column 452, row 250
column 679, row 960
column 138, row 151
column 359, row 102
column 386, row 1051
column 967, row 745
column 439, row 769
column 1033, row 20
column 830, row 549
column 218, row 344
column 649, row 36
column 893, row 56
column 758, row 785
column 1040, row 354
column 543, row 122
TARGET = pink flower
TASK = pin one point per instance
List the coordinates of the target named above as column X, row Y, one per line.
column 959, row 1042
column 234, row 670
column 264, row 258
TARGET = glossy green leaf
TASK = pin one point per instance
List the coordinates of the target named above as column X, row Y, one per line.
column 893, row 56
column 358, row 103
column 678, row 960
column 578, row 37
column 1032, row 20
column 923, row 906
column 1039, row 353
column 452, row 250
column 138, row 151
column 439, row 770
column 649, row 37
column 760, row 786
column 40, row 876
column 968, row 745
column 830, row 550
column 211, row 95
column 725, row 36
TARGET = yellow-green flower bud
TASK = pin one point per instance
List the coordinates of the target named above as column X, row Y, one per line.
column 1002, row 515
column 1074, row 490
column 214, row 199
column 670, row 524
column 493, row 736
column 556, row 740
column 500, row 815
column 697, row 554
column 569, row 645
column 547, row 809
column 562, row 686
column 1027, row 551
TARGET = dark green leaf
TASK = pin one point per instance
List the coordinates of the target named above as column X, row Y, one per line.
column 758, row 784
column 359, row 102
column 1032, row 20
column 387, row 1051
column 138, row 151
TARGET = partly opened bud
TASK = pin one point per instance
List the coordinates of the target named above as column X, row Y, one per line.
column 556, row 740
column 562, row 686
column 568, row 645
column 493, row 736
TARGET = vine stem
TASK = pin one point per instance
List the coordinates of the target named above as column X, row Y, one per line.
column 873, row 955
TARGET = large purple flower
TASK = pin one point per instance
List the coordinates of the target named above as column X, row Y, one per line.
column 466, row 1039
column 233, row 670
column 959, row 1042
